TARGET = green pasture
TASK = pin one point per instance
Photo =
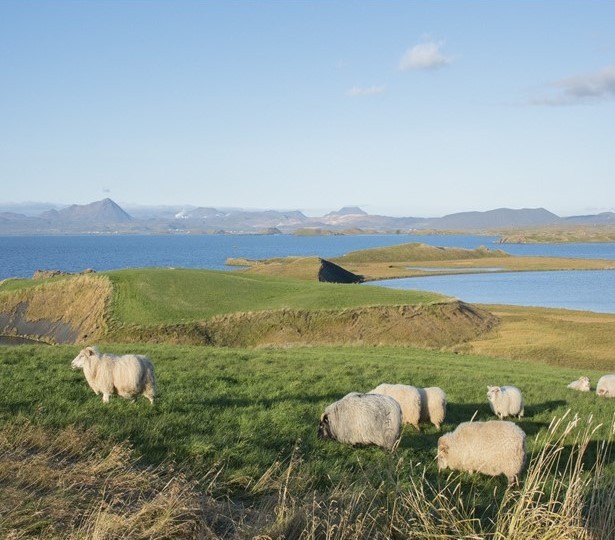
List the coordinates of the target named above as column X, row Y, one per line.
column 243, row 410
column 164, row 295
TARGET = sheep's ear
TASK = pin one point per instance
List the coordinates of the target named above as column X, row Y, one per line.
column 324, row 418
column 442, row 446
column 90, row 351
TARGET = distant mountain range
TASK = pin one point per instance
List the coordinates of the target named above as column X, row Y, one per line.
column 106, row 217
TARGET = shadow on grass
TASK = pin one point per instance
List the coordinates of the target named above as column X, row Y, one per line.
column 234, row 402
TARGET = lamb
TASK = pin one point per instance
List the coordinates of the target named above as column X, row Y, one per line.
column 129, row 375
column 492, row 448
column 581, row 384
column 433, row 405
column 606, row 386
column 505, row 401
column 362, row 419
column 409, row 400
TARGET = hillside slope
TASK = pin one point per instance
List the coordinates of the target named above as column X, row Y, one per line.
column 204, row 307
column 69, row 309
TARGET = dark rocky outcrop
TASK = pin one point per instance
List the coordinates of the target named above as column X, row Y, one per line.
column 44, row 274
column 332, row 273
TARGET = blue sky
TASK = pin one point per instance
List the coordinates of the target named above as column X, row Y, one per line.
column 401, row 107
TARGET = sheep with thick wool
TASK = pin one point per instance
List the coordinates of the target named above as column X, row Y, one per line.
column 129, row 375
column 433, row 405
column 407, row 396
column 362, row 419
column 505, row 401
column 492, row 448
column 606, row 386
column 581, row 384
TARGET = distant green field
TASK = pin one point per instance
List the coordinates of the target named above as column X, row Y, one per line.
column 414, row 252
column 156, row 295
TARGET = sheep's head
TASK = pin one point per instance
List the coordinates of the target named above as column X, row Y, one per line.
column 601, row 391
column 493, row 392
column 83, row 355
column 324, row 429
column 584, row 383
column 443, row 447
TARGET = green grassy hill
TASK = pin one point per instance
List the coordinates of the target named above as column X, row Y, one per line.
column 417, row 252
column 164, row 305
column 152, row 296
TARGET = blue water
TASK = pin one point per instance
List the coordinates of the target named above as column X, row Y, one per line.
column 589, row 290
column 21, row 256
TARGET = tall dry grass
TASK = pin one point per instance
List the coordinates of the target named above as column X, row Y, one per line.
column 79, row 301
column 74, row 486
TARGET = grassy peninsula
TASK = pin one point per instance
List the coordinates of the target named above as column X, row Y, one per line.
column 559, row 235
column 415, row 259
column 201, row 307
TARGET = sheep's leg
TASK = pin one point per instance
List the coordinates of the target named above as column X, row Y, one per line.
column 106, row 398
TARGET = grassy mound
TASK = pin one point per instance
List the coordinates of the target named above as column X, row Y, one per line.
column 416, row 259
column 558, row 235
column 237, row 309
column 417, row 252
column 153, row 296
column 225, row 308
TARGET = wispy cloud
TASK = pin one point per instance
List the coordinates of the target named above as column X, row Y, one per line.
column 426, row 55
column 366, row 90
column 580, row 89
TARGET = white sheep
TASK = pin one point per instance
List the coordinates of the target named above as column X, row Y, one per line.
column 128, row 376
column 362, row 419
column 408, row 398
column 433, row 405
column 493, row 448
column 606, row 386
column 581, row 384
column 505, row 401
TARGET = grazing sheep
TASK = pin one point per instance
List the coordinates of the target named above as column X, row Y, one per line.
column 493, row 448
column 505, row 401
column 433, row 405
column 362, row 419
column 606, row 386
column 408, row 398
column 581, row 384
column 128, row 375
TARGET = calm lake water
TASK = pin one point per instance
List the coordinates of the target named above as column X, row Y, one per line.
column 22, row 256
column 589, row 290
